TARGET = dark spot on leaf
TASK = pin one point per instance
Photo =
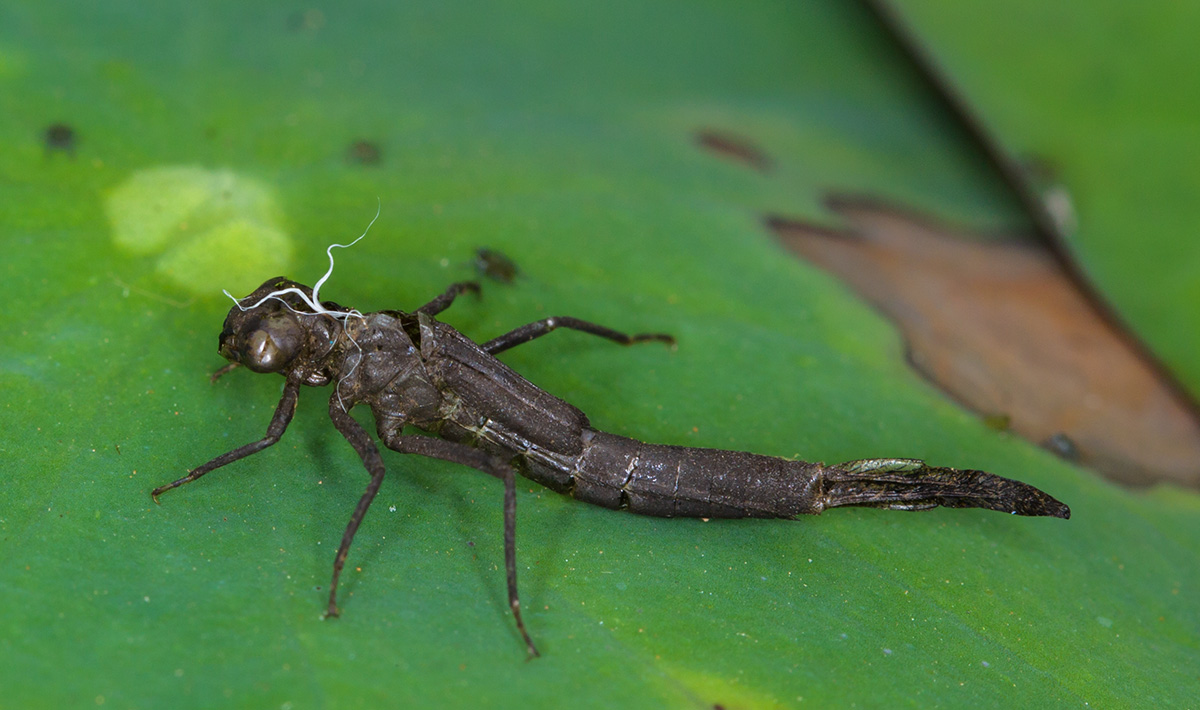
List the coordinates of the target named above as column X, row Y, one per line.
column 1039, row 170
column 1061, row 445
column 998, row 422
column 59, row 137
column 495, row 265
column 733, row 147
column 364, row 153
column 308, row 20
column 1001, row 327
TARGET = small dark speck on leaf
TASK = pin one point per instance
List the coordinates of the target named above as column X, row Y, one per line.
column 1061, row 445
column 59, row 137
column 735, row 148
column 495, row 265
column 364, row 153
column 997, row 422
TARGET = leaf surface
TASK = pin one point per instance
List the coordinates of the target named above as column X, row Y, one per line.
column 563, row 136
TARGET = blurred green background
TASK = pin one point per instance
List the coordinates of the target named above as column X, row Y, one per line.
column 213, row 146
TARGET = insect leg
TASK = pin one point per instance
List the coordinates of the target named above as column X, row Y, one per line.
column 224, row 371
column 539, row 328
column 443, row 301
column 476, row 458
column 279, row 424
column 371, row 459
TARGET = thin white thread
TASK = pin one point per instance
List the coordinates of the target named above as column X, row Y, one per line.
column 317, row 307
column 315, row 301
column 329, row 252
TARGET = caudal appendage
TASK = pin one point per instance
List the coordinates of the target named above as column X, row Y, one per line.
column 909, row 484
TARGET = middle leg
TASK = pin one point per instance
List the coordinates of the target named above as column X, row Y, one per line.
column 443, row 301
column 367, row 451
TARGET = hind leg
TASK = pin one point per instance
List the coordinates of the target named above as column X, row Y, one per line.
column 539, row 328
column 483, row 461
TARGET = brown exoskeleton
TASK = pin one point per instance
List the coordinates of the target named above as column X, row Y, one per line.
column 413, row 370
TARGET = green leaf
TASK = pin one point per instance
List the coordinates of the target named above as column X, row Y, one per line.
column 1093, row 92
column 564, row 136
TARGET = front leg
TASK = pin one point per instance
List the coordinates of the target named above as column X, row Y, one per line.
column 279, row 424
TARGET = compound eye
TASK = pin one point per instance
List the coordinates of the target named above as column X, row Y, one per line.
column 261, row 354
column 272, row 346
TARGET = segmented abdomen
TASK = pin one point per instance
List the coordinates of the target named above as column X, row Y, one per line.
column 486, row 404
column 681, row 481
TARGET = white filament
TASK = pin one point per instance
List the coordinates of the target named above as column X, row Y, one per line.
column 314, row 302
column 329, row 253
